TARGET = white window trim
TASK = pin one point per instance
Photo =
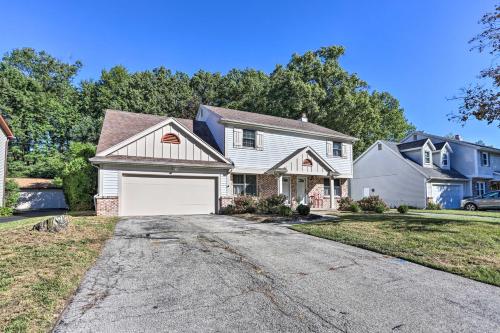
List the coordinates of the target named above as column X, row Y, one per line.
column 443, row 159
column 245, row 184
column 487, row 159
column 481, row 188
column 340, row 149
column 427, row 153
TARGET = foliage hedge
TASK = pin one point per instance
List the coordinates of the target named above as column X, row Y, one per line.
column 79, row 177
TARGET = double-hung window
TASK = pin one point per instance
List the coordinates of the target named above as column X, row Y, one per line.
column 427, row 157
column 481, row 188
column 337, row 149
column 485, row 159
column 445, row 159
column 336, row 187
column 248, row 138
column 245, row 185
column 326, row 186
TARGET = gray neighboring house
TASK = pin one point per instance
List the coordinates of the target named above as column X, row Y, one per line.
column 410, row 173
column 157, row 165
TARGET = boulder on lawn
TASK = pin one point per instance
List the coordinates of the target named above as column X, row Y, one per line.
column 53, row 224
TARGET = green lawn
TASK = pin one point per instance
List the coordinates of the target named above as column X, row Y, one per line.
column 40, row 271
column 460, row 246
column 460, row 212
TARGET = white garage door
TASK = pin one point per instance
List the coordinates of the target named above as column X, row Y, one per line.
column 448, row 196
column 147, row 195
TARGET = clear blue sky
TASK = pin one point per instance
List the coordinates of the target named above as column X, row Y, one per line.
column 415, row 50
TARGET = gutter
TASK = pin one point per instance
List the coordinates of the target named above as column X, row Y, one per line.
column 98, row 161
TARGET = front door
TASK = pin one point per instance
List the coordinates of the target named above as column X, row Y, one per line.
column 285, row 187
column 301, row 191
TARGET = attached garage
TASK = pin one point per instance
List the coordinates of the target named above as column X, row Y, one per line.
column 447, row 195
column 159, row 195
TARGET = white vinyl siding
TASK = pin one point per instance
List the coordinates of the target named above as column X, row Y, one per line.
column 108, row 182
column 150, row 145
column 392, row 178
column 212, row 121
column 278, row 145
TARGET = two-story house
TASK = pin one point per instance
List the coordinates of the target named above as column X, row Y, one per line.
column 154, row 165
column 423, row 168
column 479, row 163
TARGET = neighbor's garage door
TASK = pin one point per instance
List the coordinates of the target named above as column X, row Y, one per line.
column 448, row 196
column 147, row 195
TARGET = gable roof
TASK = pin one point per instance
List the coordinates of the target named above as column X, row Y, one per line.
column 415, row 144
column 121, row 125
column 6, row 129
column 251, row 118
column 311, row 152
column 433, row 172
column 460, row 142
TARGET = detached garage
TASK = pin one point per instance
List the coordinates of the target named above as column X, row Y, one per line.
column 153, row 165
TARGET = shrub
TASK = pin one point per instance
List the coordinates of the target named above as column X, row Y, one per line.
column 244, row 204
column 379, row 209
column 11, row 197
column 354, row 207
column 79, row 177
column 433, row 206
column 285, row 210
column 371, row 203
column 228, row 210
column 271, row 204
column 345, row 203
column 403, row 209
column 303, row 209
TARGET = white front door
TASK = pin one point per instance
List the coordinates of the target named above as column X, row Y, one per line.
column 301, row 191
column 285, row 187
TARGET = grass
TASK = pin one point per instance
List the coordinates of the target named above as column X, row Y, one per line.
column 460, row 246
column 40, row 271
column 459, row 212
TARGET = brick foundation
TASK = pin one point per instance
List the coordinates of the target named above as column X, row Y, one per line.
column 106, row 206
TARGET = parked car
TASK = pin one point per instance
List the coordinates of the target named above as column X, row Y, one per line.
column 489, row 200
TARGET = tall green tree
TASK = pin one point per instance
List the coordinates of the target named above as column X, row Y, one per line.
column 39, row 100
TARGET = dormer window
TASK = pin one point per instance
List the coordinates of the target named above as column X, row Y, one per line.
column 444, row 160
column 427, row 157
column 485, row 159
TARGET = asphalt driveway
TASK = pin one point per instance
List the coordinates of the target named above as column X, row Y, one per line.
column 219, row 273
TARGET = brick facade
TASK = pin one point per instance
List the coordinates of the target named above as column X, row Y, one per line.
column 267, row 185
column 106, row 206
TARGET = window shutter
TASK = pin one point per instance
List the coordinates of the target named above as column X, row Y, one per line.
column 329, row 148
column 237, row 138
column 344, row 150
column 259, row 140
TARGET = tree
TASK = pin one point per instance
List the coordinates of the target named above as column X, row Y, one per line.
column 483, row 101
column 39, row 101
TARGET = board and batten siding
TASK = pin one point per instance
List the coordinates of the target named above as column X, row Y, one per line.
column 295, row 165
column 3, row 165
column 150, row 145
column 277, row 145
column 393, row 179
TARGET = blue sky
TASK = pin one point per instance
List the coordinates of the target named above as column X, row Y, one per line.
column 416, row 50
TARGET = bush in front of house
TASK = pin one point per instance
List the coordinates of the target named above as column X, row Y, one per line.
column 354, row 207
column 433, row 206
column 79, row 177
column 371, row 203
column 271, row 204
column 303, row 210
column 403, row 209
column 228, row 210
column 345, row 203
column 244, row 204
column 380, row 209
column 11, row 198
column 285, row 210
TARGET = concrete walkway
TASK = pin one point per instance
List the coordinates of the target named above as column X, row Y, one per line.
column 223, row 274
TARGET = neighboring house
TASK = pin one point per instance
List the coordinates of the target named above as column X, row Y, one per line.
column 411, row 173
column 5, row 136
column 39, row 194
column 154, row 165
column 479, row 163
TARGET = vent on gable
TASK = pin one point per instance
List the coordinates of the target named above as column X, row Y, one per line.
column 379, row 146
column 171, row 138
column 307, row 162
